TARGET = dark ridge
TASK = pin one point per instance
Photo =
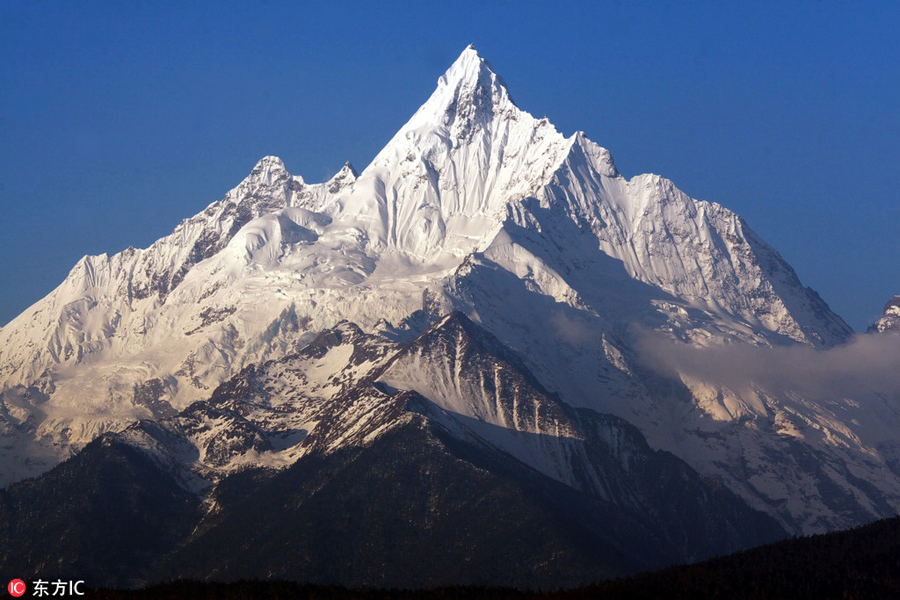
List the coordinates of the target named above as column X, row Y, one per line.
column 105, row 516
column 861, row 563
column 410, row 510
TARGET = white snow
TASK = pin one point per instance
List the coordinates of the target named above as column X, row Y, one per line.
column 474, row 205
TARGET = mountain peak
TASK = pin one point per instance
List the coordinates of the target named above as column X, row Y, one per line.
column 468, row 95
column 468, row 65
column 890, row 320
column 342, row 178
column 269, row 174
column 268, row 171
column 349, row 168
column 470, row 70
column 268, row 164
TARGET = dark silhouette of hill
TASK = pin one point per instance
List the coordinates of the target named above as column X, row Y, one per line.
column 861, row 563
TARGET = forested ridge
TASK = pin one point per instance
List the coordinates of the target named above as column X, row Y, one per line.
column 861, row 563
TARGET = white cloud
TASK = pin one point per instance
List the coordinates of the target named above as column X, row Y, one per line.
column 870, row 363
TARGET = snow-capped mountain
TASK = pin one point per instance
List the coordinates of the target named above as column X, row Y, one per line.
column 475, row 207
column 890, row 319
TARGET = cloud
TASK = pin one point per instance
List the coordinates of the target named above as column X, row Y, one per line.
column 868, row 364
column 571, row 330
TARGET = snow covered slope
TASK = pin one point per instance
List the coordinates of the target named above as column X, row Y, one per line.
column 474, row 206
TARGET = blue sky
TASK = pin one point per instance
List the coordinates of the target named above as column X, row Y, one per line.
column 117, row 120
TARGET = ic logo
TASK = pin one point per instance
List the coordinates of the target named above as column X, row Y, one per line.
column 16, row 588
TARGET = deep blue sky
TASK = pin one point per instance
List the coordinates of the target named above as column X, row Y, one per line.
column 119, row 119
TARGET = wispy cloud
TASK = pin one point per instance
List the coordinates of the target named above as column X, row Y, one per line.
column 868, row 364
